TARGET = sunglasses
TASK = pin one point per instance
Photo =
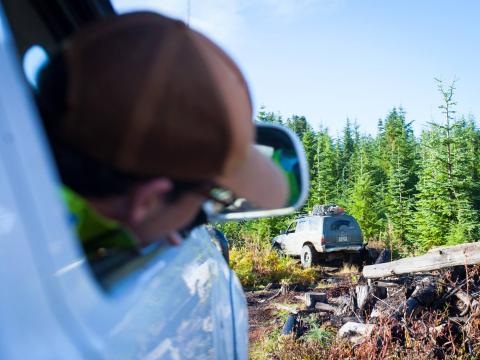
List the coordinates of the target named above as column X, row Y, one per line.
column 208, row 189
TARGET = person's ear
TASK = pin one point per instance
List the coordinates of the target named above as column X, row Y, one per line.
column 146, row 199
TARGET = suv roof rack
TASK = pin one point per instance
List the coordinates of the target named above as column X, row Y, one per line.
column 328, row 209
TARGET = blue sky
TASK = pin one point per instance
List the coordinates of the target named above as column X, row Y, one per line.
column 333, row 59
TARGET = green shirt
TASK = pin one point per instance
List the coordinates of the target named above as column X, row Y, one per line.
column 105, row 242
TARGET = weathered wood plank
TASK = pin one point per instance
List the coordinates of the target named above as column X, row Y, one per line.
column 464, row 254
column 311, row 298
column 290, row 309
column 325, row 307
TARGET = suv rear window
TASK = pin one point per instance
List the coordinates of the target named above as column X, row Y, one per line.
column 341, row 224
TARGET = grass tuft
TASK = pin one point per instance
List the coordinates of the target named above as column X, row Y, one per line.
column 257, row 265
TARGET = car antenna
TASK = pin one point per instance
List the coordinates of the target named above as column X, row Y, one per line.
column 189, row 11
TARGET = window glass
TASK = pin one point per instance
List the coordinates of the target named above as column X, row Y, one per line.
column 33, row 61
column 342, row 224
column 302, row 225
column 291, row 227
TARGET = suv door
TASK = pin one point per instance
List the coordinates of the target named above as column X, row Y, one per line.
column 295, row 240
column 310, row 233
column 288, row 239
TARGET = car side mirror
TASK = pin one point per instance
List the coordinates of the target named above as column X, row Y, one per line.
column 286, row 151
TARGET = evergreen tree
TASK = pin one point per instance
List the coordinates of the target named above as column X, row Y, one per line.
column 347, row 147
column 363, row 201
column 298, row 124
column 445, row 206
column 309, row 141
column 399, row 207
column 325, row 188
column 269, row 117
column 397, row 153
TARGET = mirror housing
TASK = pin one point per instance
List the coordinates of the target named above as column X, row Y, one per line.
column 285, row 149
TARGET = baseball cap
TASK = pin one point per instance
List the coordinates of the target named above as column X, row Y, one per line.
column 149, row 96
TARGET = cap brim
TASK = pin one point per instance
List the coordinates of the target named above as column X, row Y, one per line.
column 258, row 180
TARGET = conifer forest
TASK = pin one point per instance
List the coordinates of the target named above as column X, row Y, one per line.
column 408, row 191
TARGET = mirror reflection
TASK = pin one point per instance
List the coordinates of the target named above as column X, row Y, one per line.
column 283, row 148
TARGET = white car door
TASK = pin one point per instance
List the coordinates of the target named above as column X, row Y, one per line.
column 172, row 303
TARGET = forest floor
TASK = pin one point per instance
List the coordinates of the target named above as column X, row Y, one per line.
column 282, row 326
column 269, row 308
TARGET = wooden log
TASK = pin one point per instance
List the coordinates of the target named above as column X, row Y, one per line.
column 325, row 307
column 355, row 332
column 311, row 298
column 363, row 293
column 367, row 296
column 465, row 254
column 387, row 284
column 290, row 309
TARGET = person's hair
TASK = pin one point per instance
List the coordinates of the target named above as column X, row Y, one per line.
column 78, row 171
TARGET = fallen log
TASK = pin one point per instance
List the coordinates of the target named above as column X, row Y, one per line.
column 325, row 307
column 465, row 254
column 355, row 332
column 290, row 309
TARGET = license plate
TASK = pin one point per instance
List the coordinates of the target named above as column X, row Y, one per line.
column 343, row 239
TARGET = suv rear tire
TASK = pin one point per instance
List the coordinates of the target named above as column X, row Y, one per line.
column 309, row 256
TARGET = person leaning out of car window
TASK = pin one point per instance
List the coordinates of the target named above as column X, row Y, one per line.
column 145, row 116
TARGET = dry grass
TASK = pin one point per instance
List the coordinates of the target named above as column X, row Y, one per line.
column 348, row 269
column 257, row 265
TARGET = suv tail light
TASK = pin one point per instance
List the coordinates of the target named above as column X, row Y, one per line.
column 322, row 239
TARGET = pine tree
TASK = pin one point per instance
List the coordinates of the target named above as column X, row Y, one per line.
column 397, row 152
column 363, row 196
column 269, row 117
column 298, row 124
column 347, row 147
column 325, row 188
column 309, row 141
column 399, row 206
column 445, row 200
